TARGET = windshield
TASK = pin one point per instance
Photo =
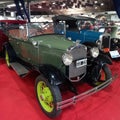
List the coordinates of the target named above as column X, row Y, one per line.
column 24, row 31
column 40, row 28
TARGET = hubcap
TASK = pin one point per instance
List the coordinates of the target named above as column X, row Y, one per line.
column 45, row 96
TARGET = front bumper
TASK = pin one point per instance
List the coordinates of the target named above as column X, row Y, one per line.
column 74, row 99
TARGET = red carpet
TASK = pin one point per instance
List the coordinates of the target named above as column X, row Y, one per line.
column 18, row 101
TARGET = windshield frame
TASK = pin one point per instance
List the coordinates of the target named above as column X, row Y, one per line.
column 28, row 30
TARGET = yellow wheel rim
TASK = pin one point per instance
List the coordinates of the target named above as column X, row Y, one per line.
column 7, row 58
column 45, row 96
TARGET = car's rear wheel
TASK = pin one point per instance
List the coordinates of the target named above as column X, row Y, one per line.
column 48, row 95
column 7, row 58
column 9, row 54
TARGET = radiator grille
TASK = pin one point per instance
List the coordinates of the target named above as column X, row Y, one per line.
column 105, row 41
column 78, row 66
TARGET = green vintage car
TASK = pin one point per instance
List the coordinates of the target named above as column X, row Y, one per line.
column 59, row 61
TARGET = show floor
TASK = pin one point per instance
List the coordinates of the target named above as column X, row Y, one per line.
column 18, row 101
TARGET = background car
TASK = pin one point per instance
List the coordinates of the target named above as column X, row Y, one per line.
column 85, row 29
column 115, row 40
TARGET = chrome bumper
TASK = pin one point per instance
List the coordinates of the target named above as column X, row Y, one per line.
column 73, row 100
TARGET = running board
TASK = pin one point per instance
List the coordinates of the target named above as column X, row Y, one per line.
column 19, row 68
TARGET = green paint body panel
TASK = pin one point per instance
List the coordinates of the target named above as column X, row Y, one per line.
column 53, row 41
column 49, row 50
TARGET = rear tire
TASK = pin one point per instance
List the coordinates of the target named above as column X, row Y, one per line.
column 9, row 53
column 7, row 58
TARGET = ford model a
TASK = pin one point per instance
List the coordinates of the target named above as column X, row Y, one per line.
column 59, row 61
column 84, row 29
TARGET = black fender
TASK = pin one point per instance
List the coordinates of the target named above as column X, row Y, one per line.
column 11, row 52
column 53, row 74
column 104, row 59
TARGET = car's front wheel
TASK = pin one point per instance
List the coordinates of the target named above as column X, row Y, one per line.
column 48, row 95
column 100, row 74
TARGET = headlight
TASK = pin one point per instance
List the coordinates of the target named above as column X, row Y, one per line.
column 115, row 40
column 94, row 52
column 67, row 58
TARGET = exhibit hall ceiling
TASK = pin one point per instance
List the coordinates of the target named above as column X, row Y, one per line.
column 60, row 6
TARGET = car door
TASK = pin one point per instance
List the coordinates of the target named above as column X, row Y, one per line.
column 29, row 52
column 23, row 47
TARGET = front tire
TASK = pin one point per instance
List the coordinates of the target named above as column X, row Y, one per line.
column 100, row 75
column 47, row 95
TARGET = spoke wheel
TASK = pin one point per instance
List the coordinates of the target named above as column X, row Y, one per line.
column 48, row 96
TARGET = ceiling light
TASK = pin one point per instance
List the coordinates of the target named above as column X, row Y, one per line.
column 11, row 5
column 95, row 2
column 102, row 4
column 63, row 4
column 39, row 6
column 53, row 3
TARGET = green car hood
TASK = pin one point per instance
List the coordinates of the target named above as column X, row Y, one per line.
column 53, row 41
